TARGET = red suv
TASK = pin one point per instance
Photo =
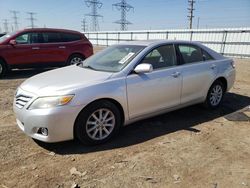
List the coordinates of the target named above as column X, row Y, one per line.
column 31, row 48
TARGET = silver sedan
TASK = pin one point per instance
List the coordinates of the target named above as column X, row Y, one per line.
column 120, row 85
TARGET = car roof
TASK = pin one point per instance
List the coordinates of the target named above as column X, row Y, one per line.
column 48, row 30
column 153, row 43
column 157, row 42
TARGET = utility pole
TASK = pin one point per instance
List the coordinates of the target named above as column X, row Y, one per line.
column 6, row 25
column 124, row 7
column 15, row 19
column 95, row 5
column 191, row 12
column 84, row 25
column 31, row 18
column 198, row 23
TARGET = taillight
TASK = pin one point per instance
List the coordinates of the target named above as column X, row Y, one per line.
column 233, row 64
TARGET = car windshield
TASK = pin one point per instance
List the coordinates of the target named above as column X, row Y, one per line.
column 112, row 59
column 4, row 37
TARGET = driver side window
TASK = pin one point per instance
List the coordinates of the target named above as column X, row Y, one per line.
column 22, row 39
column 29, row 38
column 161, row 57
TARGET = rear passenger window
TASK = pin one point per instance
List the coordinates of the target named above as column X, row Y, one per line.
column 206, row 56
column 35, row 38
column 190, row 53
column 69, row 37
column 51, row 37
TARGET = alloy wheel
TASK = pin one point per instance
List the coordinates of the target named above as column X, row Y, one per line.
column 100, row 124
column 76, row 60
column 216, row 95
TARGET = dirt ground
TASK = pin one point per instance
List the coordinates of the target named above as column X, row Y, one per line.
column 192, row 147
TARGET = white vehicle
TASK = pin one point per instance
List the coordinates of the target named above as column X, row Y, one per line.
column 119, row 85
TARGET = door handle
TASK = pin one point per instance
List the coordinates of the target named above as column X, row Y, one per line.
column 35, row 48
column 62, row 47
column 213, row 66
column 176, row 74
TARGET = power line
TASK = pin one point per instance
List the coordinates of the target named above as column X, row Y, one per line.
column 31, row 18
column 124, row 7
column 6, row 25
column 191, row 12
column 15, row 18
column 95, row 5
column 84, row 25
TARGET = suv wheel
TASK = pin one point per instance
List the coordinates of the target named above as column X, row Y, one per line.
column 98, row 123
column 75, row 59
column 2, row 68
column 215, row 95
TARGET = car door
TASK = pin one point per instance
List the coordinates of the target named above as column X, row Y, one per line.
column 198, row 71
column 52, row 49
column 25, row 51
column 157, row 90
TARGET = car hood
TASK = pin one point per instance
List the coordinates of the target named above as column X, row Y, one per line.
column 63, row 80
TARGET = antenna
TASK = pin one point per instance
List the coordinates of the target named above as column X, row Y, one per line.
column 15, row 19
column 95, row 5
column 191, row 12
column 124, row 7
column 31, row 18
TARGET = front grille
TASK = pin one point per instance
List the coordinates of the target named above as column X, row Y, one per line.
column 21, row 100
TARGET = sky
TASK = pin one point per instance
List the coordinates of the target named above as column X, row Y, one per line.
column 147, row 14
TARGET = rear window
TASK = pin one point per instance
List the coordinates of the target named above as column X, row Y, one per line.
column 69, row 37
column 51, row 37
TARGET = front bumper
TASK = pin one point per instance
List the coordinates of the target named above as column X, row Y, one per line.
column 59, row 121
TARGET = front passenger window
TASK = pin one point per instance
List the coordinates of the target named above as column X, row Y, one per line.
column 161, row 57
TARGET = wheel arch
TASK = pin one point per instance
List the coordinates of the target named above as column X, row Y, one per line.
column 72, row 54
column 5, row 62
column 76, row 53
column 223, row 80
column 7, row 67
column 115, row 102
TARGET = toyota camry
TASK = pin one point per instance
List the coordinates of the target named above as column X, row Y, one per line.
column 122, row 84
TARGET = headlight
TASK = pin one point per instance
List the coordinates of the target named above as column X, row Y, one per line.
column 50, row 102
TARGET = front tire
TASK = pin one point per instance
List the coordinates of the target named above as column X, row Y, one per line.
column 215, row 95
column 3, row 68
column 98, row 123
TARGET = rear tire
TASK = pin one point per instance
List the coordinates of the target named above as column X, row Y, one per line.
column 3, row 68
column 98, row 123
column 215, row 95
column 75, row 59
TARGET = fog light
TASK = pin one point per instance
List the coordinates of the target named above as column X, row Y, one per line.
column 44, row 131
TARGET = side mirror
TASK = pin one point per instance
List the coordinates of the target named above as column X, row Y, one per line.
column 143, row 68
column 13, row 42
